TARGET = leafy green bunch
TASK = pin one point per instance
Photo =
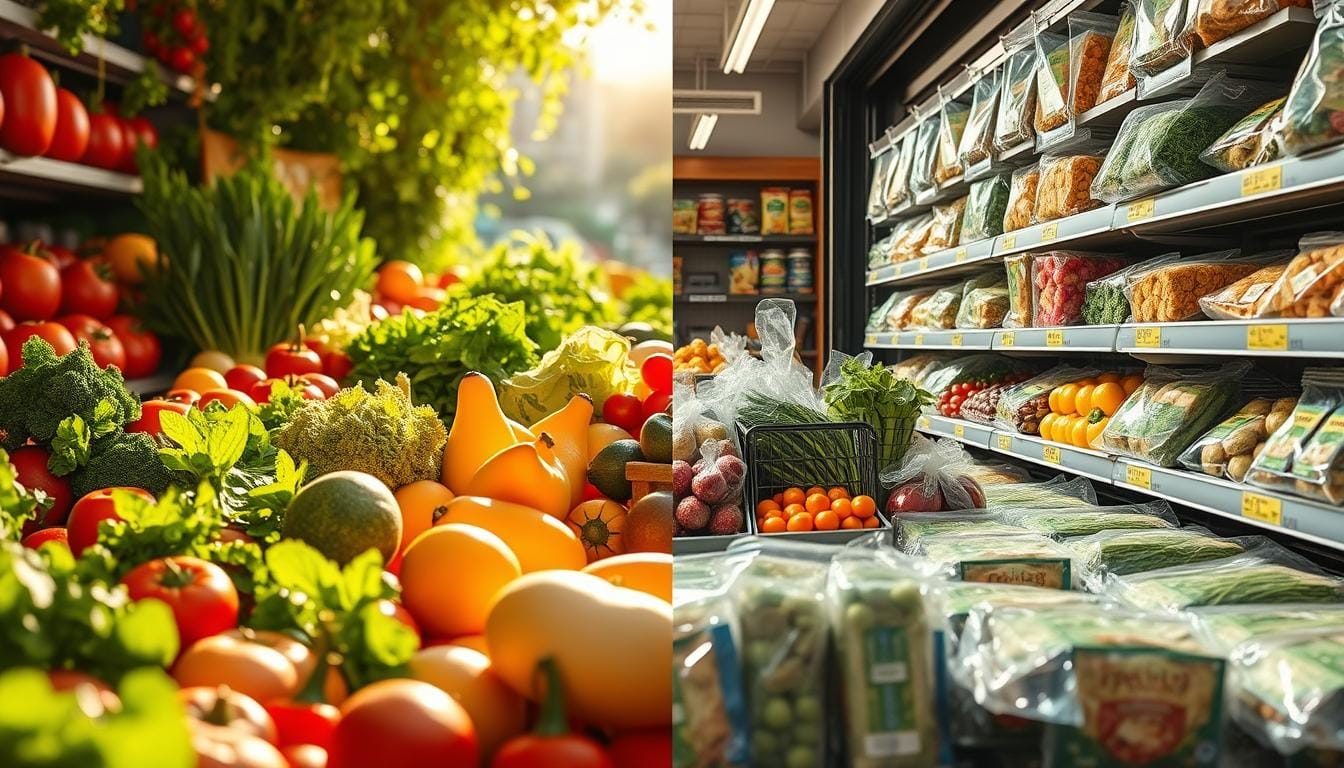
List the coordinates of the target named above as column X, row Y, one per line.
column 875, row 395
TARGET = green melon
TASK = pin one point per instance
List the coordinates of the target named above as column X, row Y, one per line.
column 607, row 469
column 343, row 514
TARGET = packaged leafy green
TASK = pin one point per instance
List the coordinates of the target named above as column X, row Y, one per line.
column 1288, row 688
column 1224, row 627
column 1322, row 393
column 977, row 140
column 951, row 126
column 1013, row 124
column 985, row 207
column 1170, row 410
column 897, row 187
column 922, row 183
column 1022, row 559
column 877, row 206
column 884, row 661
column 1122, row 552
column 1252, row 140
column 1163, row 34
column 1055, row 492
column 1086, row 519
column 1314, row 113
column 1268, row 575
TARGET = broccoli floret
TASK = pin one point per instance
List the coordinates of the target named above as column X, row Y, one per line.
column 381, row 433
column 122, row 459
column 48, row 388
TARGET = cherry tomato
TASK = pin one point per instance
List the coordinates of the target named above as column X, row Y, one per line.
column 654, row 404
column 182, row 58
column 143, row 351
column 323, row 382
column 150, row 411
column 226, row 397
column 103, row 343
column 6, row 322
column 136, row 131
column 107, row 143
column 36, row 539
column 32, row 284
column 200, row 44
column 30, row 467
column 656, row 372
column 54, row 334
column 29, row 96
column 242, row 376
column 72, row 128
column 184, row 21
column 625, row 411
column 290, row 359
column 150, row 42
column 300, row 722
column 203, row 599
column 182, row 395
column 91, row 510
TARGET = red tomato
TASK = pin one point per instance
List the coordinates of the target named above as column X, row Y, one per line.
column 625, row 411
column 323, row 382
column 405, row 723
column 30, row 466
column 72, row 128
column 220, row 705
column 32, row 284
column 103, row 343
column 637, row 749
column 142, row 132
column 241, row 377
column 6, row 322
column 300, row 722
column 227, row 397
column 447, row 279
column 30, row 100
column 261, row 391
column 654, row 404
column 107, row 143
column 59, row 255
column 184, row 21
column 182, row 58
column 203, row 599
column 657, row 372
column 55, row 334
column 4, row 358
column 150, row 411
column 142, row 346
column 590, row 492
column 289, row 359
column 337, row 365
column 91, row 510
column 89, row 287
column 183, row 396
column 37, row 538
column 200, row 44
column 552, row 743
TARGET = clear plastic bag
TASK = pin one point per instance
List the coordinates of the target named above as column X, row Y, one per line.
column 1252, row 140
column 997, row 557
column 1017, row 96
column 1052, row 81
column 924, row 158
column 1264, row 575
column 983, row 307
column 1018, row 270
column 877, row 319
column 1163, row 34
column 1022, row 407
column 1224, row 627
column 985, row 208
column 896, row 190
column 1313, row 281
column 1057, row 491
column 1314, row 113
column 951, row 126
column 1087, row 519
column 1065, row 186
column 1228, row 449
column 1169, row 290
column 1289, row 688
column 1246, row 297
column 1322, row 393
column 1022, row 198
column 902, row 312
column 1106, row 301
column 933, row 477
column 913, row 527
column 977, row 141
column 1118, row 79
column 946, row 231
column 1123, row 552
column 877, row 207
column 1058, row 280
column 1318, row 469
column 987, row 366
column 911, row 243
column 917, row 367
column 1170, row 410
column 884, row 660
column 1219, row 19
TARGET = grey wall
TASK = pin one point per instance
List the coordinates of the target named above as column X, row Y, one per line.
column 840, row 34
column 773, row 133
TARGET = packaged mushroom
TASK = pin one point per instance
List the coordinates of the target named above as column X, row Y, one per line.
column 1228, row 449
column 1313, row 281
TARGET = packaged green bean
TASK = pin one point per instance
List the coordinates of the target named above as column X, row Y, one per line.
column 1288, row 689
column 1265, row 576
column 1122, row 552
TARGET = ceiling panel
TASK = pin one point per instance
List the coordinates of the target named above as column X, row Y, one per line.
column 698, row 27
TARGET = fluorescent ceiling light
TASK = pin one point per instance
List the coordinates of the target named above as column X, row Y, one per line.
column 750, row 22
column 700, row 130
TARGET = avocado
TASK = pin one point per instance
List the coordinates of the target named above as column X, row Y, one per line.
column 607, row 469
column 655, row 438
column 343, row 514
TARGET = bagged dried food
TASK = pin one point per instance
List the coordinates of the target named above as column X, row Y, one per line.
column 951, row 125
column 896, row 190
column 1312, row 281
column 1052, row 81
column 1322, row 393
column 1021, row 198
column 977, row 140
column 1265, row 575
column 983, row 307
column 1245, row 297
column 902, row 313
column 1070, row 78
column 884, row 656
column 1055, row 492
column 1163, row 34
column 1013, row 124
column 1170, row 291
column 1058, row 280
column 1018, row 270
column 985, row 208
column 911, row 244
column 1022, row 407
column 922, row 183
column 1314, row 113
column 1105, row 301
column 878, row 317
column 1122, row 552
column 1252, row 140
column 1087, row 519
column 1090, row 36
column 877, row 207
column 946, row 231
column 1288, row 688
column 1170, row 410
column 1229, row 448
column 1117, row 78
column 1065, row 186
column 1219, row 19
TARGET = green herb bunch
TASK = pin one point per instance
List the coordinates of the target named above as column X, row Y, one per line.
column 873, row 394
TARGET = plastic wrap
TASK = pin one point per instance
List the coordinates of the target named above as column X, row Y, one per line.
column 1055, row 492
column 985, row 208
column 896, row 190
column 1018, row 270
column 983, row 307
column 1219, row 19
column 1017, row 96
column 946, row 231
column 1122, row 552
column 1052, row 81
column 884, row 657
column 938, row 309
column 1228, row 449
column 990, row 473
column 1021, row 198
column 1224, row 627
column 1065, row 186
column 1322, row 393
column 1163, row 34
column 1288, row 688
column 1314, row 113
column 910, row 243
column 933, row 477
column 1248, row 296
column 925, row 156
column 877, row 319
column 1058, row 279
column 951, row 125
column 977, row 141
column 1313, row 281
column 1252, row 140
column 964, row 368
column 877, row 206
column 1090, row 37
column 995, row 557
column 1086, row 519
column 917, row 367
column 1170, row 410
column 1117, row 78
column 1169, row 290
column 902, row 312
column 913, row 527
column 1277, row 576
column 1022, row 407
column 1105, row 301
column 1318, row 468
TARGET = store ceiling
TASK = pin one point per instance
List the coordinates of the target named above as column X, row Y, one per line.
column 699, row 28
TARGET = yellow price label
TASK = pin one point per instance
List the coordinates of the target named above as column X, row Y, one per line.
column 959, row 430
column 870, row 340
column 961, row 255
column 919, row 339
column 1139, row 476
column 1054, row 338
column 1262, row 508
column 898, row 268
column 1006, row 339
column 1005, row 442
column 1148, row 337
column 923, row 263
column 1010, row 241
column 1049, row 232
column 1141, row 210
column 1267, row 337
column 1261, row 181
column 924, row 423
column 956, row 339
column 1051, row 454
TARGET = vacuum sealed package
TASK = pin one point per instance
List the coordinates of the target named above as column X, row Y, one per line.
column 1123, row 552
column 1013, row 124
column 1087, row 519
column 951, row 125
column 897, row 188
column 1314, row 113
column 1022, row 559
column 1169, row 290
column 1322, row 394
column 942, row 307
column 1219, row 19
column 1106, row 301
column 1313, row 280
column 983, row 307
column 913, row 527
column 884, row 656
column 986, row 205
column 1318, row 468
column 1288, row 688
column 1249, row 296
column 1058, row 280
column 1021, row 198
column 922, row 182
column 1055, row 492
column 1065, row 187
column 1022, row 407
column 1117, row 79
column 1170, row 410
column 877, row 207
column 946, row 231
column 1228, row 449
column 1252, row 140
column 1163, row 34
column 902, row 313
column 911, row 244
column 1224, row 627
column 977, row 140
column 1264, row 575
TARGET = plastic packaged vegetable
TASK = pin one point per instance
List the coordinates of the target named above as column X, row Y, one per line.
column 1170, row 410
column 911, row 245
column 1279, row 577
column 1022, row 559
column 1219, row 19
column 1090, row 36
column 1065, row 186
column 1252, row 140
column 1169, row 290
column 1058, row 281
column 877, row 207
column 1022, row 407
column 1248, row 296
column 1313, row 280
column 1124, row 552
column 1018, row 269
column 1021, row 198
column 1314, row 113
column 1322, row 393
column 1318, row 469
column 897, row 188
column 885, row 661
column 922, row 183
column 1289, row 688
column 951, row 125
column 932, row 478
column 1224, row 627
column 1228, row 449
column 977, row 141
column 1055, row 492
column 983, row 307
column 913, row 527
column 1162, row 34
column 1117, row 78
column 946, row 231
column 1087, row 519
column 902, row 312
column 985, row 208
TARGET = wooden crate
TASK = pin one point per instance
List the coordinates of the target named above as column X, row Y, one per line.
column 646, row 477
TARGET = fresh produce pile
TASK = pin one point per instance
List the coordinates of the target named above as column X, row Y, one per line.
column 1080, row 410
column 816, row 509
column 698, row 357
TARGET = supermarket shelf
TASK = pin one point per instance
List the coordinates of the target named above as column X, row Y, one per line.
column 1112, row 112
column 1076, row 338
column 1081, row 461
column 968, row 432
column 1280, row 338
column 60, row 175
column 936, row 265
column 740, row 298
column 1070, row 230
column 765, row 240
column 973, row 339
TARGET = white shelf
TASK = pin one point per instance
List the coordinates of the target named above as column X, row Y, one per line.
column 1074, row 338
column 60, row 175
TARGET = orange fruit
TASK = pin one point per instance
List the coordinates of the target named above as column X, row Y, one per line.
column 794, row 496
column 864, row 506
column 1053, row 401
column 400, row 281
column 1131, row 382
column 765, row 506
column 1109, row 377
column 851, row 523
column 773, row 525
column 800, row 522
column 126, row 254
column 816, row 489
column 793, row 510
column 475, row 561
column 871, row 522
column 817, row 502
column 837, row 493
column 200, row 380
column 778, row 498
column 826, row 520
column 775, row 512
column 421, row 503
column 843, row 508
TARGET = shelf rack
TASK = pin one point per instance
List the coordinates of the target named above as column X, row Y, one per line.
column 58, row 176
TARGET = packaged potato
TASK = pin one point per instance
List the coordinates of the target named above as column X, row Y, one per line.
column 902, row 312
column 1117, row 78
column 1163, row 34
column 1313, row 280
column 1021, row 198
column 1218, row 19
column 1017, row 95
column 1243, row 298
column 946, row 231
column 951, row 125
column 1170, row 291
column 1253, row 140
column 977, row 140
column 1228, row 449
column 1170, row 410
column 1322, row 393
column 1065, row 186
column 1314, row 113
column 985, row 208
column 922, row 182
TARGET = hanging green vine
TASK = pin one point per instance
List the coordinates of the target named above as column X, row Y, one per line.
column 70, row 20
